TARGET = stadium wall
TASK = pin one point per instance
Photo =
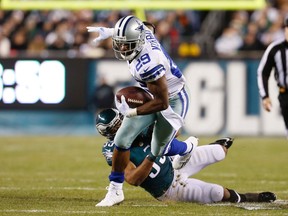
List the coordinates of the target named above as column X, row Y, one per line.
column 55, row 96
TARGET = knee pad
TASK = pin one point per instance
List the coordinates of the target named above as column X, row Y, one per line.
column 216, row 193
column 203, row 192
column 208, row 154
column 217, row 152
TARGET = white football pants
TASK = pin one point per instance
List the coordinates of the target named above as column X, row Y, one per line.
column 187, row 189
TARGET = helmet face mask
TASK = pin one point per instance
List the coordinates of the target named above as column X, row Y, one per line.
column 128, row 38
column 124, row 49
column 108, row 122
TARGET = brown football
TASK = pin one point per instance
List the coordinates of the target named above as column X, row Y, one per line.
column 135, row 96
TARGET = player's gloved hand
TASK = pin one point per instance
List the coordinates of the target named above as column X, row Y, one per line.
column 124, row 108
column 103, row 32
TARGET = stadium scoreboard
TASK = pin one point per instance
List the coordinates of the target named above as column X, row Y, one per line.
column 43, row 84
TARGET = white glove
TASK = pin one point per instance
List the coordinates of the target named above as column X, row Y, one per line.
column 103, row 32
column 124, row 108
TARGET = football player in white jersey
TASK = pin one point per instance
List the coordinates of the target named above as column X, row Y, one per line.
column 156, row 72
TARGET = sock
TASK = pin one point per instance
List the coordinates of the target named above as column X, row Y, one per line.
column 243, row 197
column 117, row 177
column 234, row 196
column 116, row 185
column 178, row 147
column 121, row 149
column 189, row 148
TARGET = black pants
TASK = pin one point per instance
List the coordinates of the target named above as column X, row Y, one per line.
column 283, row 100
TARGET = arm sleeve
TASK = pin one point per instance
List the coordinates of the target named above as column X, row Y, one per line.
column 263, row 73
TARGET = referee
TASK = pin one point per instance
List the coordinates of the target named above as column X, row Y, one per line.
column 275, row 56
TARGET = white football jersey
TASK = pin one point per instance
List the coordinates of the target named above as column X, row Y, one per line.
column 152, row 63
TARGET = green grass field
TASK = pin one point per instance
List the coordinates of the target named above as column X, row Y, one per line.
column 68, row 175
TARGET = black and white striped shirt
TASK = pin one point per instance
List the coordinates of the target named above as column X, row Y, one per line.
column 275, row 56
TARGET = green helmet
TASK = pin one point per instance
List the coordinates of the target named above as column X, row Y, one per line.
column 108, row 122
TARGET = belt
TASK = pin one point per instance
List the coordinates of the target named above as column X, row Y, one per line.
column 282, row 90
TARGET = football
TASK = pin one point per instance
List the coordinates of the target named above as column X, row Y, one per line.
column 135, row 96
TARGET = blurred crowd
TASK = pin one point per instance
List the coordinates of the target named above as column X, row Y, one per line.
column 184, row 33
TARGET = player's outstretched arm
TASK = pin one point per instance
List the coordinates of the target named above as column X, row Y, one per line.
column 103, row 32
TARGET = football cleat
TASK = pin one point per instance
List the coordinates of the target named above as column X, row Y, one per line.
column 260, row 197
column 180, row 161
column 225, row 141
column 114, row 196
column 266, row 197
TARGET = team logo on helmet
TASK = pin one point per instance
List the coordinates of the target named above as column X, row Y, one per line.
column 140, row 27
column 108, row 122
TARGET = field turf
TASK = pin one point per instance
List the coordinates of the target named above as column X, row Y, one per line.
column 68, row 175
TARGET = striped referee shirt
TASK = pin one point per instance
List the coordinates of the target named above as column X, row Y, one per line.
column 275, row 56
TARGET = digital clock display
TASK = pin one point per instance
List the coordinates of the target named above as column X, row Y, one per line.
column 45, row 84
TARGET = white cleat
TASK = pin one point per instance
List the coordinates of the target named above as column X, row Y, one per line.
column 113, row 197
column 181, row 161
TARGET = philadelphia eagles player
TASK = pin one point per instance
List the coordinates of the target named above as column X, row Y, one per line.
column 155, row 71
column 160, row 179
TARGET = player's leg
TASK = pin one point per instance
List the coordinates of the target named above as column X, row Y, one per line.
column 194, row 190
column 164, row 131
column 131, row 128
column 180, row 105
column 163, row 134
column 206, row 155
column 202, row 156
column 235, row 197
column 283, row 100
column 126, row 134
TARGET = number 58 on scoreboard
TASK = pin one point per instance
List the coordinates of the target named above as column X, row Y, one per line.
column 44, row 84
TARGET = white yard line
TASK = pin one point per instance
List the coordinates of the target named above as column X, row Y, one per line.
column 72, row 212
column 50, row 211
column 60, row 188
column 255, row 206
column 50, row 188
column 149, row 205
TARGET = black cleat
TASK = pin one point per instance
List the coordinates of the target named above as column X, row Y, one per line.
column 225, row 141
column 266, row 197
column 260, row 197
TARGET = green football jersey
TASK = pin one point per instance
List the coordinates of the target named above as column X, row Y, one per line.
column 161, row 175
